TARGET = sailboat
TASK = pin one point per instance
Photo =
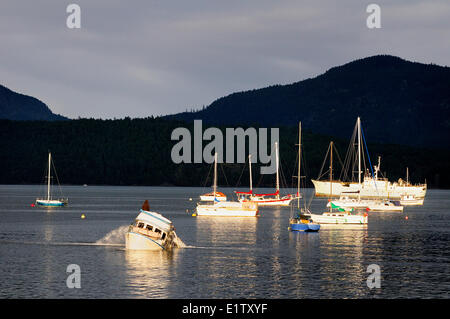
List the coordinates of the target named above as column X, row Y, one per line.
column 410, row 200
column 371, row 186
column 273, row 199
column 225, row 208
column 49, row 201
column 301, row 222
column 340, row 215
column 374, row 204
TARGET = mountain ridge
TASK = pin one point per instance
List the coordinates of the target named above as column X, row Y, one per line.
column 412, row 99
column 17, row 106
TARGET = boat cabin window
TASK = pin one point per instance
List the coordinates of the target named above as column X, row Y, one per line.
column 163, row 236
column 149, row 227
column 140, row 225
column 157, row 230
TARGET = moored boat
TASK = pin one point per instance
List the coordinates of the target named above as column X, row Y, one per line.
column 49, row 201
column 385, row 206
column 272, row 199
column 371, row 186
column 225, row 208
column 410, row 200
column 209, row 197
column 301, row 222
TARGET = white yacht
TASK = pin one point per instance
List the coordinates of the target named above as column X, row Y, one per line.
column 225, row 208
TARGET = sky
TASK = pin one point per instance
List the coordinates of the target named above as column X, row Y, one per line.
column 144, row 58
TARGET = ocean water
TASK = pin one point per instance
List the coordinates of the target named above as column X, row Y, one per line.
column 223, row 257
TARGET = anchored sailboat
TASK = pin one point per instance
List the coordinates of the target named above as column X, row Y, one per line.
column 371, row 186
column 273, row 199
column 301, row 222
column 225, row 208
column 49, row 201
column 340, row 215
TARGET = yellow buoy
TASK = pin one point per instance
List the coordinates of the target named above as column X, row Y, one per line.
column 83, row 216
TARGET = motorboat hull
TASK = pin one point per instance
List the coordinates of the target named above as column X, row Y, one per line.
column 136, row 241
column 338, row 218
column 50, row 203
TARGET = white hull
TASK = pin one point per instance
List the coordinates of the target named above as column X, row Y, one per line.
column 367, row 189
column 338, row 218
column 137, row 241
column 269, row 201
column 150, row 231
column 380, row 207
column 231, row 209
column 410, row 201
column 350, row 203
column 209, row 198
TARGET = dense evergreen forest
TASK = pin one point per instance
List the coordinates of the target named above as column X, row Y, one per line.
column 138, row 152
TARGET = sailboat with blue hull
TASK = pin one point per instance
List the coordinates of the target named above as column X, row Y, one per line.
column 301, row 222
column 49, row 201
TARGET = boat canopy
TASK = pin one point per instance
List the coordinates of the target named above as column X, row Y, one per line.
column 155, row 219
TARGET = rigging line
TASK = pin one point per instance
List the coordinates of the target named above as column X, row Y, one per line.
column 223, row 172
column 242, row 173
column 57, row 179
column 371, row 168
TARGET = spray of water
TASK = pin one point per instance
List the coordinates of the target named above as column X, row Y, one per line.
column 116, row 236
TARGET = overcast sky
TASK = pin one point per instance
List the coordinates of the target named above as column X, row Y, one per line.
column 142, row 58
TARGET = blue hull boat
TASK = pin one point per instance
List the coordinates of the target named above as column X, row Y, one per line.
column 307, row 227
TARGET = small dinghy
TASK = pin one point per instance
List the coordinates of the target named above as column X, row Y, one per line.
column 151, row 231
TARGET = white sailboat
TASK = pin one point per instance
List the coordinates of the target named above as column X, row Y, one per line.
column 225, row 208
column 49, row 201
column 273, row 199
column 340, row 215
column 370, row 186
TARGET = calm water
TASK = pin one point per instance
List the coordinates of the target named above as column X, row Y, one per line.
column 224, row 257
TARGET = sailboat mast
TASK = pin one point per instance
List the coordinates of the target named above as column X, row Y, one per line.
column 48, row 176
column 331, row 174
column 250, row 168
column 277, row 164
column 299, row 162
column 215, row 175
column 359, row 156
column 407, row 177
column 359, row 151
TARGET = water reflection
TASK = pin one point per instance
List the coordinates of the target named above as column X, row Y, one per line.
column 149, row 272
column 226, row 231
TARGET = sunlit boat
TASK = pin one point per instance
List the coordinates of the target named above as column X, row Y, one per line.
column 209, row 197
column 151, row 231
column 371, row 186
column 410, row 200
column 225, row 208
column 386, row 206
column 301, row 222
column 49, row 201
column 339, row 217
column 272, row 199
